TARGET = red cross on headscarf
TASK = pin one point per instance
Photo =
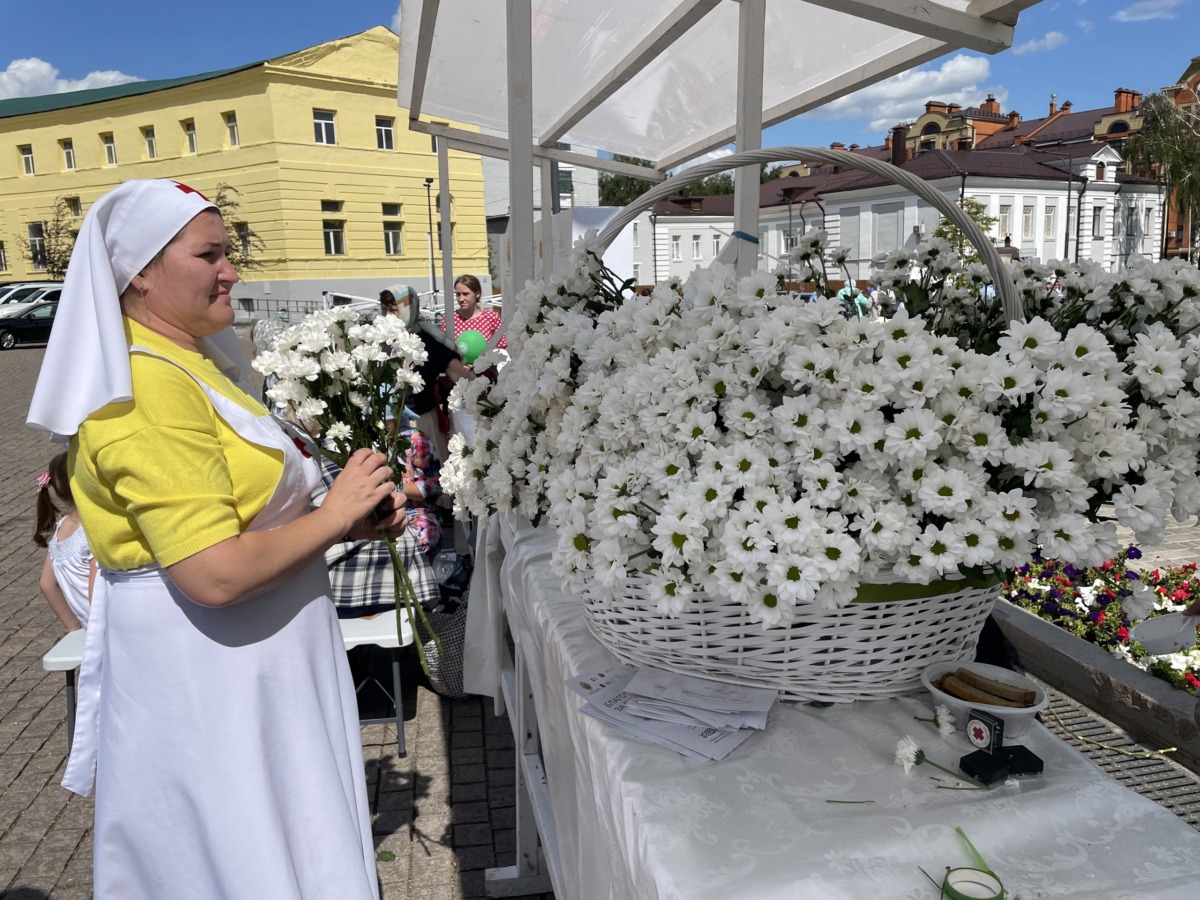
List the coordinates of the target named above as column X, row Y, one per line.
column 190, row 190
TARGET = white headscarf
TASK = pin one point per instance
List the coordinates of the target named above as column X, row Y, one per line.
column 86, row 365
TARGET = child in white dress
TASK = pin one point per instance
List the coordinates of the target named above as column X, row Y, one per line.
column 69, row 570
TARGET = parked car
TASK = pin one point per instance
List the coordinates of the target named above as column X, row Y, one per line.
column 45, row 294
column 28, row 326
column 17, row 291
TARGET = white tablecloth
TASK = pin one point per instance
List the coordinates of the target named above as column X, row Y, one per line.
column 637, row 821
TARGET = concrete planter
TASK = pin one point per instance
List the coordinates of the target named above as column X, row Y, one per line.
column 1150, row 709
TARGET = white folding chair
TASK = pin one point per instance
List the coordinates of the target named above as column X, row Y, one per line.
column 65, row 656
column 381, row 631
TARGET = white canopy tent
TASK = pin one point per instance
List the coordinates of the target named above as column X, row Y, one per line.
column 664, row 80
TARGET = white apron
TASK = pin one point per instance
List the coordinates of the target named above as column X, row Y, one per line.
column 225, row 742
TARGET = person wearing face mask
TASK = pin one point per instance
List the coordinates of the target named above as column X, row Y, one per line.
column 401, row 300
column 216, row 718
column 469, row 315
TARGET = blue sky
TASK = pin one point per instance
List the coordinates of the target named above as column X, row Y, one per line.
column 1078, row 49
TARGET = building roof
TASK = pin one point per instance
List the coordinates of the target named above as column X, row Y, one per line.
column 1066, row 127
column 20, row 106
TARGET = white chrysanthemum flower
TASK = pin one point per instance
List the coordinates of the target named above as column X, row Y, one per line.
column 913, row 434
column 907, row 751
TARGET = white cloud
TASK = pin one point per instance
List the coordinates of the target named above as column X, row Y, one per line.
column 395, row 26
column 1148, row 10
column 902, row 97
column 1086, row 26
column 36, row 77
column 1051, row 40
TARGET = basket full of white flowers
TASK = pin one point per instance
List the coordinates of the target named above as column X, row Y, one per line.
column 750, row 487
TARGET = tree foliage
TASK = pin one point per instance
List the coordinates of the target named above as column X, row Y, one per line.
column 1168, row 146
column 58, row 240
column 621, row 190
column 958, row 241
column 246, row 247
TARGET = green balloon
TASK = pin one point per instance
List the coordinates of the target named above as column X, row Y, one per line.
column 470, row 344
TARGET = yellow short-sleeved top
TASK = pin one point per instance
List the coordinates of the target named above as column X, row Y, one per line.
column 162, row 476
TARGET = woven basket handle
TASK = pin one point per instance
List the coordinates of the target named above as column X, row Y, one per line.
column 1000, row 275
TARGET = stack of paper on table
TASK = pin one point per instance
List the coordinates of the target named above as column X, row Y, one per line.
column 697, row 717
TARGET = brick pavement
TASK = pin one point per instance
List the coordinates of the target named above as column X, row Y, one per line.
column 441, row 816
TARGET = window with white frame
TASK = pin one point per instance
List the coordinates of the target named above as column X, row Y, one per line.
column 716, row 245
column 323, row 131
column 1027, row 222
column 190, row 145
column 26, row 151
column 637, row 273
column 151, row 143
column 232, row 135
column 1049, row 217
column 696, row 254
column 68, row 153
column 110, row 148
column 36, row 235
column 335, row 237
column 245, row 242
column 676, row 247
column 1005, row 221
column 3, row 258
column 1148, row 220
column 1131, row 221
column 384, row 136
column 635, row 235
column 1097, row 221
column 393, row 230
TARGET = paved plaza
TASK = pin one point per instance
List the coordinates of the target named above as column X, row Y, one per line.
column 441, row 815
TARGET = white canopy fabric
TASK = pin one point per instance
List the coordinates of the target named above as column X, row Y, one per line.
column 658, row 79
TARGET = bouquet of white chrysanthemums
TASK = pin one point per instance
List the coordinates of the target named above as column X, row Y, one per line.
column 341, row 379
column 726, row 436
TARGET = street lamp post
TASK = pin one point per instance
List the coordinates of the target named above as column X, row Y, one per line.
column 429, row 209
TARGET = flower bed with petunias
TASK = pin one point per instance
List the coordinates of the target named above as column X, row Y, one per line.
column 1101, row 604
column 721, row 437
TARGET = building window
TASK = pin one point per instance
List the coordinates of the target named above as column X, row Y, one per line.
column 676, row 251
column 1131, row 221
column 3, row 258
column 231, row 129
column 1097, row 221
column 1005, row 221
column 1099, row 171
column 453, row 244
column 391, row 210
column 151, row 143
column 696, row 247
column 716, row 245
column 331, row 206
column 36, row 232
column 323, row 132
column 245, row 244
column 1148, row 221
column 637, row 270
column 189, row 137
column 26, row 152
column 635, row 235
column 74, row 207
column 1027, row 223
column 68, row 152
column 1048, row 221
column 393, row 239
column 335, row 237
column 110, row 148
column 384, row 138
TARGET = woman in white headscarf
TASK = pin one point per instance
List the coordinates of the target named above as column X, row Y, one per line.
column 216, row 711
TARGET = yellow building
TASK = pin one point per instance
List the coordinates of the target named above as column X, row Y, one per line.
column 328, row 174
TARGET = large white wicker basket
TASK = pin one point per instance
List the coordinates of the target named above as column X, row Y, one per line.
column 868, row 650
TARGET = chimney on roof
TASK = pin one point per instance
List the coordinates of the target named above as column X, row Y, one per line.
column 899, row 145
column 1053, row 104
column 953, row 108
column 837, row 145
column 1066, row 107
column 990, row 105
column 1126, row 100
column 935, row 106
column 887, row 141
column 853, row 147
column 1014, row 119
